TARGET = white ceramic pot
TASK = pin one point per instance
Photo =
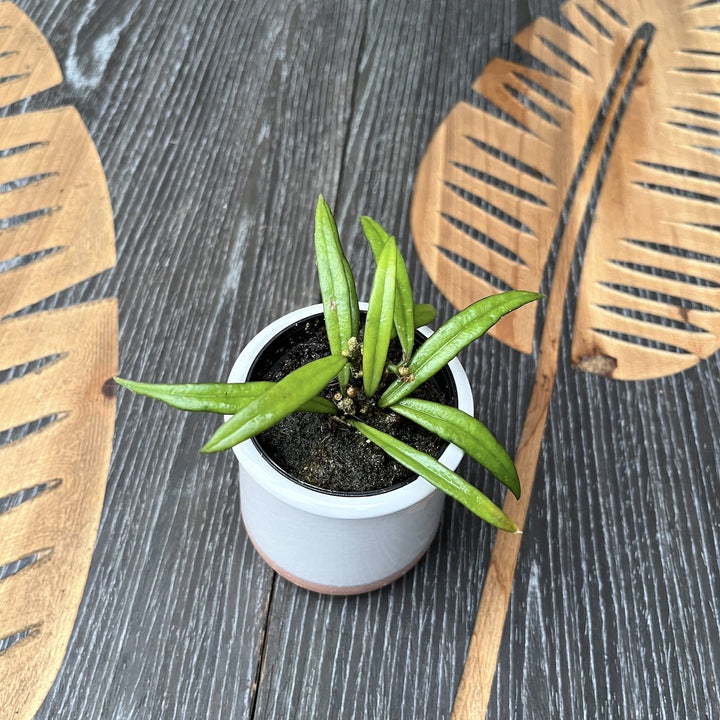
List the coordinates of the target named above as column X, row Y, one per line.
column 332, row 543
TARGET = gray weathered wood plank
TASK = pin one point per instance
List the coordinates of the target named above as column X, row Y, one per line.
column 214, row 138
column 399, row 652
column 218, row 123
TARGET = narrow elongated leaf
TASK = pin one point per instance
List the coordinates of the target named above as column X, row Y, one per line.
column 404, row 317
column 379, row 320
column 463, row 430
column 441, row 477
column 337, row 285
column 376, row 235
column 224, row 398
column 276, row 403
column 422, row 315
column 452, row 337
column 403, row 314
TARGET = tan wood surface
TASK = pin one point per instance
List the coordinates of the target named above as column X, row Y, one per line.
column 625, row 112
column 28, row 65
column 58, row 405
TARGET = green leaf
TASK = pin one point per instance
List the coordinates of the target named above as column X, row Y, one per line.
column 224, row 398
column 452, row 337
column 441, row 477
column 375, row 234
column 337, row 285
column 423, row 314
column 403, row 315
column 274, row 404
column 463, row 430
column 379, row 320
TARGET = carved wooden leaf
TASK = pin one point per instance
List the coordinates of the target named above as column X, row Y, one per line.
column 56, row 409
column 613, row 123
column 495, row 188
column 28, row 65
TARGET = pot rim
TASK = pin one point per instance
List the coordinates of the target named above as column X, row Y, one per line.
column 316, row 501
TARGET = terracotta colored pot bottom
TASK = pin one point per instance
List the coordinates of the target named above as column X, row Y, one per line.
column 332, row 590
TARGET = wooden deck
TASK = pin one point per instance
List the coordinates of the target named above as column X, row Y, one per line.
column 218, row 124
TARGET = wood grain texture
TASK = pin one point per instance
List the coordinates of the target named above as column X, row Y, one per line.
column 56, row 207
column 492, row 192
column 496, row 195
column 28, row 64
column 176, row 590
column 52, row 533
column 217, row 127
column 57, row 413
column 476, row 684
column 625, row 615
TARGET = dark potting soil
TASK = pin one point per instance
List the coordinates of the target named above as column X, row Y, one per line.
column 323, row 452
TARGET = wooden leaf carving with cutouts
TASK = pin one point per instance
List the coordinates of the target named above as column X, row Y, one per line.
column 612, row 124
column 494, row 187
column 56, row 413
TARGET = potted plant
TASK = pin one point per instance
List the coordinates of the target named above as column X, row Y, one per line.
column 325, row 410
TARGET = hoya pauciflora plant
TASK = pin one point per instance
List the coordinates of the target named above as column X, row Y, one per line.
column 366, row 380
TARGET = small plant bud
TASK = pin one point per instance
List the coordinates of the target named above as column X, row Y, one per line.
column 347, row 406
column 408, row 378
column 352, row 343
column 404, row 371
column 337, row 397
column 351, row 391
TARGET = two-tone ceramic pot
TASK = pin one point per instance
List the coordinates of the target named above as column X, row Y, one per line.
column 330, row 542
